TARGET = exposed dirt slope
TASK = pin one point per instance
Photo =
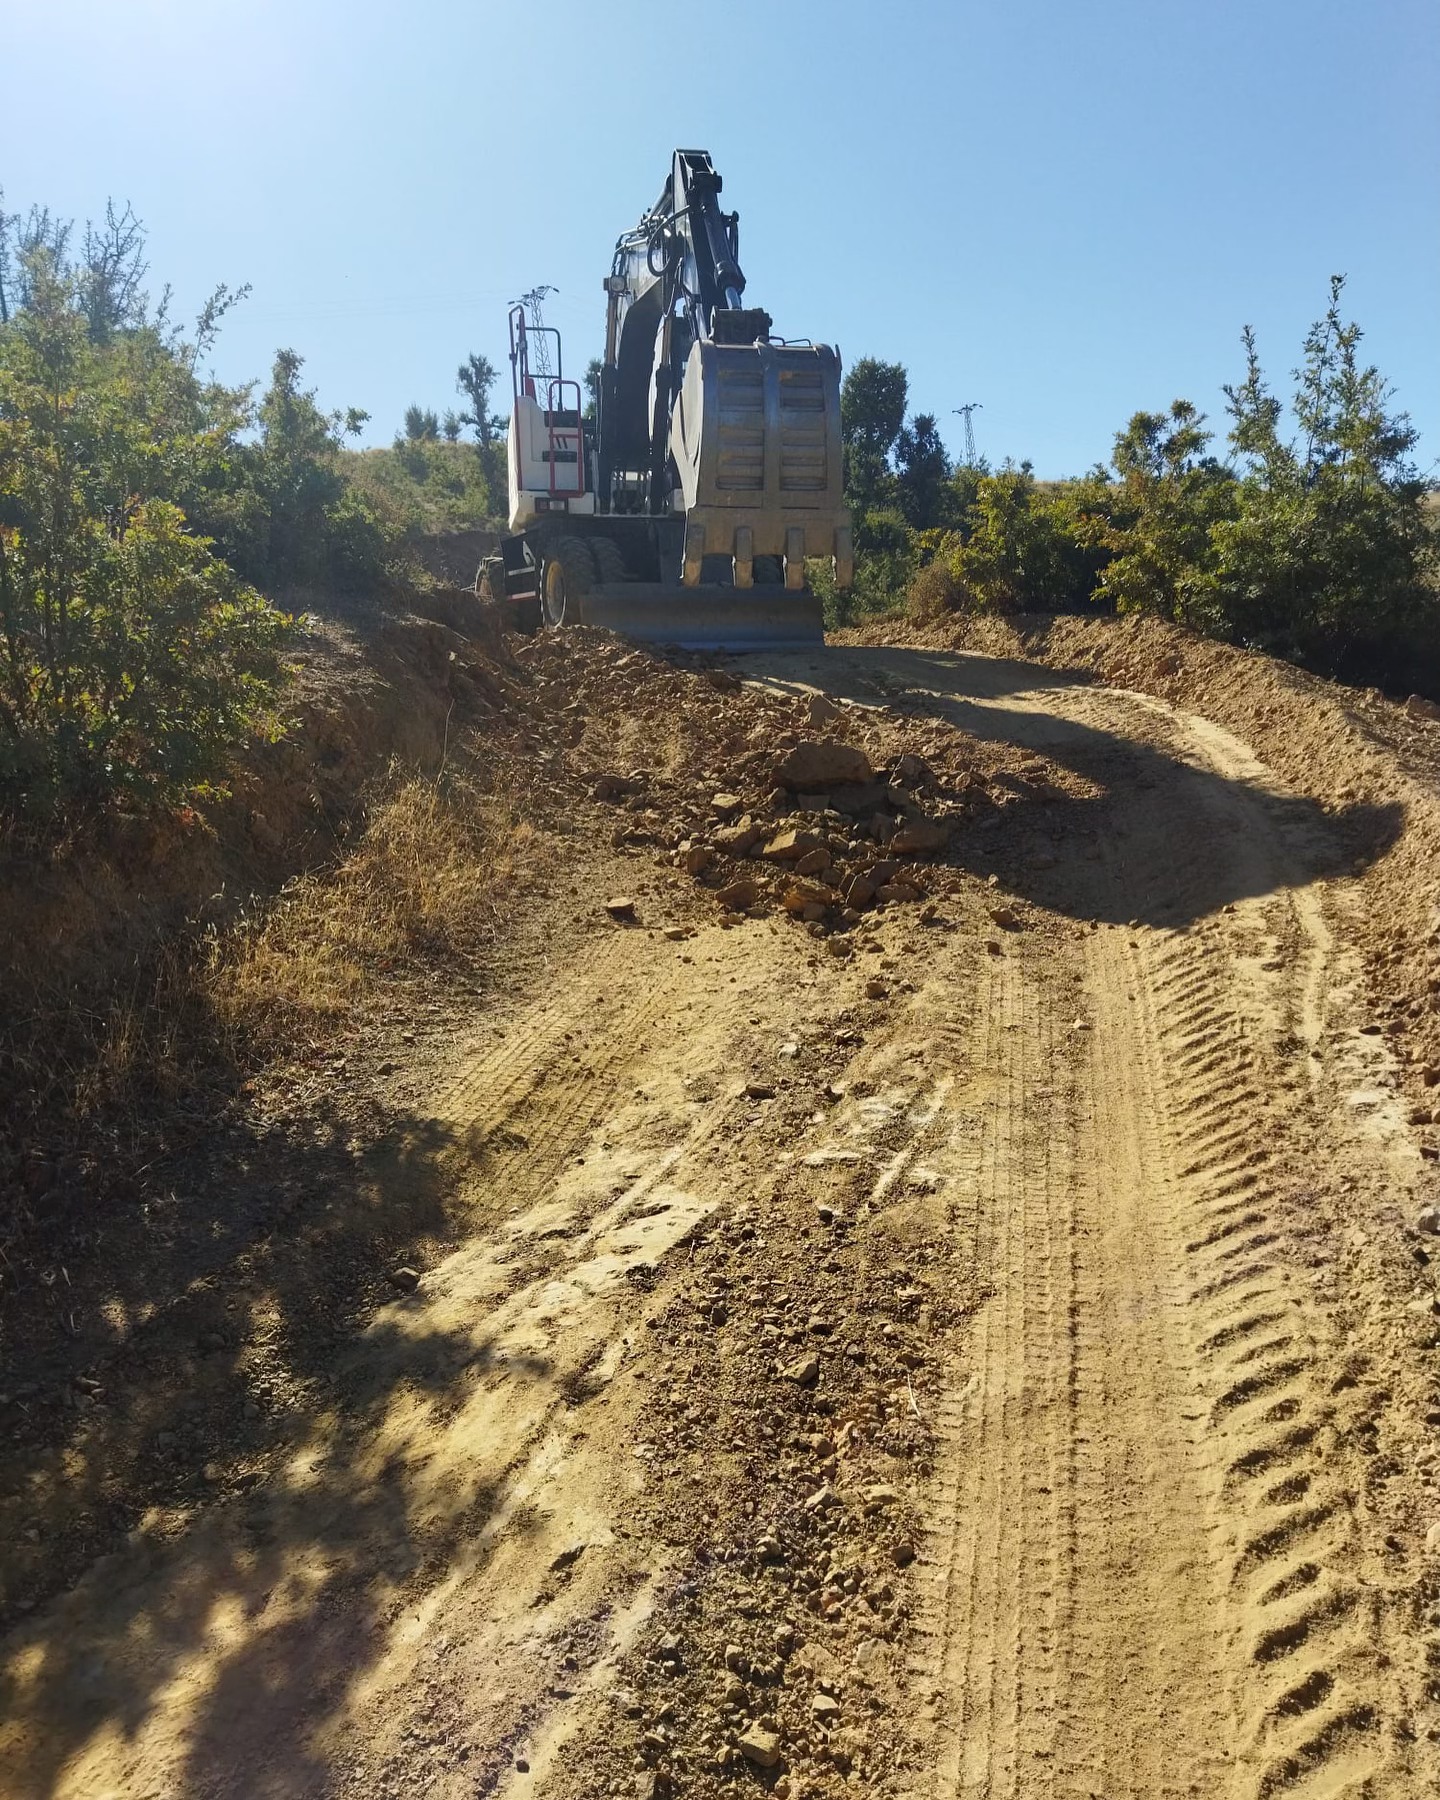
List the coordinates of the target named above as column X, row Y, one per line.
column 999, row 1359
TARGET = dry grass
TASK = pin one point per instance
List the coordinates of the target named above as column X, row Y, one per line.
column 426, row 882
column 96, row 1067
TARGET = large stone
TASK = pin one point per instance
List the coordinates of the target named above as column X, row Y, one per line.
column 760, row 1747
column 919, row 836
column 791, row 846
column 859, row 891
column 739, row 895
column 823, row 763
column 740, row 838
column 1419, row 707
column 861, row 800
column 823, row 711
column 799, row 895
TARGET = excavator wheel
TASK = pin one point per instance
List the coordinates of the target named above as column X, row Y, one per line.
column 609, row 563
column 567, row 577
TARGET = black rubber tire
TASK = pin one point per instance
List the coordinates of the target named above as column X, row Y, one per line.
column 567, row 576
column 609, row 563
column 769, row 571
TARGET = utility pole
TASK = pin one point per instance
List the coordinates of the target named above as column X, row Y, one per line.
column 964, row 412
column 532, row 302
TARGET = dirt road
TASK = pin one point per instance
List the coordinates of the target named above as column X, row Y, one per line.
column 995, row 1363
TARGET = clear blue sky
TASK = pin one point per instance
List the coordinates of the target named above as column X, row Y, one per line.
column 1064, row 210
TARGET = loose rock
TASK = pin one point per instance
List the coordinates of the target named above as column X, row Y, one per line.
column 740, row 895
column 760, row 1747
column 792, row 846
column 821, row 763
column 918, row 836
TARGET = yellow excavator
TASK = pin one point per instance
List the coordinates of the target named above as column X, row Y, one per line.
column 685, row 510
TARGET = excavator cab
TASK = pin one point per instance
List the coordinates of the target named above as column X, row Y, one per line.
column 685, row 513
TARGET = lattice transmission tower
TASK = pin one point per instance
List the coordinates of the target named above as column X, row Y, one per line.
column 533, row 302
column 964, row 412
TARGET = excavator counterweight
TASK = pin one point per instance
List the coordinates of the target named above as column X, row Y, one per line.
column 685, row 509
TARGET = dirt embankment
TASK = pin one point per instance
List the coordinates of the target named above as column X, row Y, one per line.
column 117, row 940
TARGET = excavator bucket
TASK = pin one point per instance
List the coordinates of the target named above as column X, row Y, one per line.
column 707, row 617
column 755, row 436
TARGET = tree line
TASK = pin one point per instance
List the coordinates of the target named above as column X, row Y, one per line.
column 1312, row 536
column 144, row 506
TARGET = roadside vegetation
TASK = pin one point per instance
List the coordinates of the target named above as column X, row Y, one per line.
column 1306, row 531
column 160, row 530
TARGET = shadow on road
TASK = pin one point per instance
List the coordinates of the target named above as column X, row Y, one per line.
column 1159, row 838
column 209, row 1518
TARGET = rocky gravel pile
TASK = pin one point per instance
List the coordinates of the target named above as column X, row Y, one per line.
column 774, row 801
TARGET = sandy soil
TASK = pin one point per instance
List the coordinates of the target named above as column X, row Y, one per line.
column 997, row 1360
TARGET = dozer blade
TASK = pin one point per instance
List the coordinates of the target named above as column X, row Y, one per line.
column 764, row 617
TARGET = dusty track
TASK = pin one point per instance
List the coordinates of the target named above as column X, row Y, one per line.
column 1134, row 1147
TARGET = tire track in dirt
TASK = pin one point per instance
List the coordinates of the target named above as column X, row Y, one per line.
column 1312, row 1700
column 1307, row 1687
column 1148, row 1573
column 1065, row 1625
column 482, row 1497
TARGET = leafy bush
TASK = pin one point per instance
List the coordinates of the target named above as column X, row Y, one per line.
column 1322, row 547
column 1155, row 524
column 1317, row 547
column 1330, row 555
column 1018, row 548
column 286, row 516
column 428, row 485
column 133, row 659
column 1017, row 554
column 934, row 592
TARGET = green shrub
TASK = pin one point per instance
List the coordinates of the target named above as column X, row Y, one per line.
column 1330, row 556
column 132, row 659
column 1318, row 547
column 429, row 485
column 934, row 592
